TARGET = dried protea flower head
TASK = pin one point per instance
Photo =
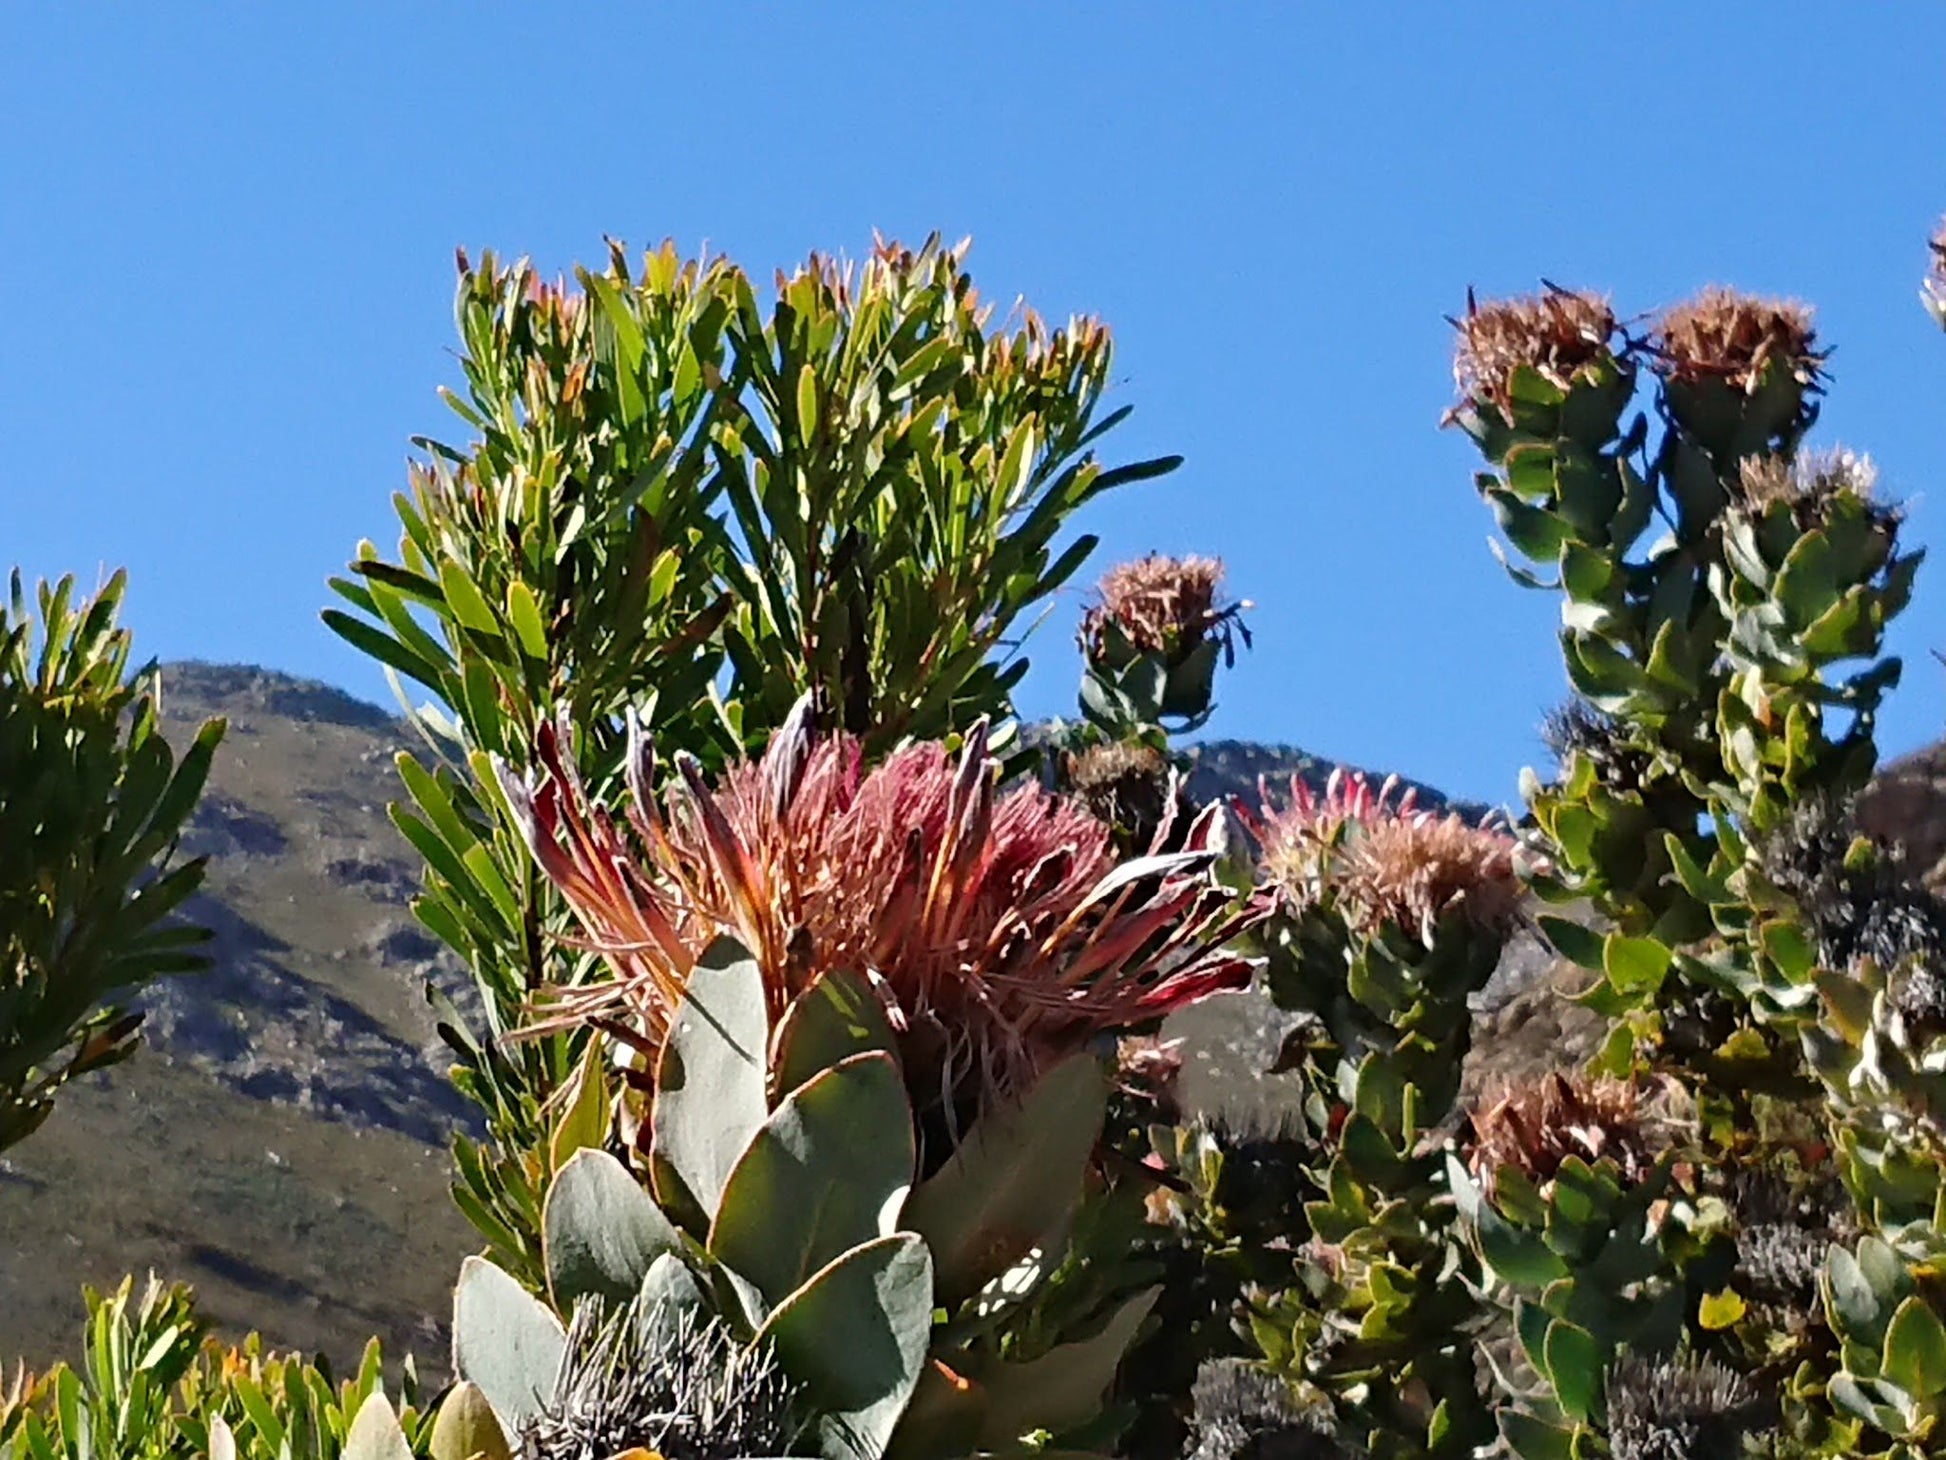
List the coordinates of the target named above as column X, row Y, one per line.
column 998, row 927
column 1862, row 902
column 1380, row 861
column 1534, row 1125
column 1782, row 1233
column 667, row 1381
column 1740, row 374
column 1579, row 728
column 1664, row 1409
column 1160, row 605
column 1558, row 335
column 1148, row 1069
column 1242, row 1410
column 1126, row 785
column 1738, row 338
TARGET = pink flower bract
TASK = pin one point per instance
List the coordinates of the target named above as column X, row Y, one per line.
column 997, row 926
column 1381, row 861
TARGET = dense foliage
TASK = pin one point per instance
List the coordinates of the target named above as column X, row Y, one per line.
column 827, row 1110
column 92, row 800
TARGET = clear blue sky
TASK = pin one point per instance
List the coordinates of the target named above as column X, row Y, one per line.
column 228, row 234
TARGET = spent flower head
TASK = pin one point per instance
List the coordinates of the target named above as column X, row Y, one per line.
column 998, row 926
column 668, row 1381
column 1806, row 482
column 1381, row 861
column 1161, row 605
column 1664, row 1409
column 1724, row 335
column 1241, row 1409
column 1557, row 334
column 1579, row 728
column 1535, row 1125
column 1782, row 1234
column 1127, row 785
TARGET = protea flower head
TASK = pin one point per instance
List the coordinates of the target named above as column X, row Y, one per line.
column 1724, row 335
column 1557, row 334
column 1535, row 1125
column 1243, row 1410
column 1578, row 728
column 1663, row 1409
column 997, row 926
column 1782, row 1235
column 1809, row 483
column 1125, row 785
column 1161, row 605
column 1382, row 861
column 674, row 1383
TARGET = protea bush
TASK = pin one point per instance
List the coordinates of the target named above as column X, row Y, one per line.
column 830, row 1106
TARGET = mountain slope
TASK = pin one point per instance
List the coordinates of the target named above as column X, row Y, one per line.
column 281, row 1142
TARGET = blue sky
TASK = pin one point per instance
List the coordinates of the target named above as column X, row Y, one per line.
column 229, row 233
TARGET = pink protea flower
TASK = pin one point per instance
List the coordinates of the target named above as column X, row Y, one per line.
column 1380, row 860
column 998, row 927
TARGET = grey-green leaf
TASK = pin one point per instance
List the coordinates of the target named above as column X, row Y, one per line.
column 375, row 1433
column 1014, row 1179
column 465, row 1427
column 600, row 1230
column 504, row 1340
column 709, row 1097
column 835, row 1018
column 1063, row 1388
column 827, row 1172
column 856, row 1336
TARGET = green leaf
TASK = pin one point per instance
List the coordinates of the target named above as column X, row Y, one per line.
column 1722, row 1310
column 1064, row 1387
column 524, row 613
column 1518, row 1258
column 1574, row 941
column 836, row 1017
column 464, row 599
column 1575, row 1368
column 506, row 1341
column 1015, row 1178
column 384, row 648
column 1915, row 1349
column 709, row 1098
column 600, row 1230
column 1634, row 965
column 826, row 1173
column 1790, row 948
column 856, row 1336
column 1534, row 1439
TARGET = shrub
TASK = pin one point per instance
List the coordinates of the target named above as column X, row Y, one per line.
column 92, row 800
